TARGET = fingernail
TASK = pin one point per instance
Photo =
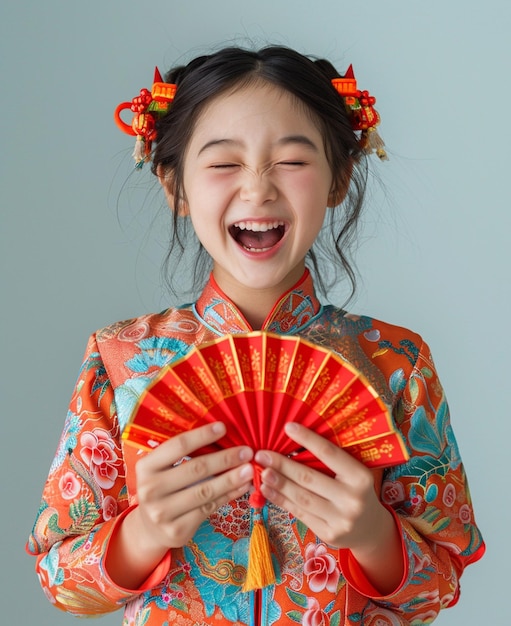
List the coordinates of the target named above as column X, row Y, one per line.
column 246, row 472
column 263, row 458
column 246, row 454
column 291, row 428
column 218, row 428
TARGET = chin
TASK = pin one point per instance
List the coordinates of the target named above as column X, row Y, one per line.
column 273, row 282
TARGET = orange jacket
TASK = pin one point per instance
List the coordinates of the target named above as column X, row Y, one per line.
column 91, row 486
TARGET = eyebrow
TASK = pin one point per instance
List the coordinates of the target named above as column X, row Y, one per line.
column 283, row 141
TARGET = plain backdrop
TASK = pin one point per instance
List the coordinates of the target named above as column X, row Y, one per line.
column 83, row 236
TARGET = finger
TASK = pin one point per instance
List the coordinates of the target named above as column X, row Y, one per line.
column 298, row 483
column 170, row 452
column 204, row 497
column 282, row 471
column 153, row 485
column 315, row 511
column 203, row 468
column 339, row 461
column 183, row 527
column 208, row 495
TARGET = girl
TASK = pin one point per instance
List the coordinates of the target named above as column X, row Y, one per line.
column 256, row 150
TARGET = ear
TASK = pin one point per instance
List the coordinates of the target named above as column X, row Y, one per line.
column 166, row 178
column 336, row 196
column 340, row 186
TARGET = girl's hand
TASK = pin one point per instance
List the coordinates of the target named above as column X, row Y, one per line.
column 173, row 500
column 343, row 511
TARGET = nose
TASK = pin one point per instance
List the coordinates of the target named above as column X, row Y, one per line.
column 257, row 188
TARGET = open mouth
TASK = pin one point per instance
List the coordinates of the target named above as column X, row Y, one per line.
column 257, row 236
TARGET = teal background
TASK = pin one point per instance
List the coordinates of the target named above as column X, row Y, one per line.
column 82, row 236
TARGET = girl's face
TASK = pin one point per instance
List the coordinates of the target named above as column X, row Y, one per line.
column 256, row 184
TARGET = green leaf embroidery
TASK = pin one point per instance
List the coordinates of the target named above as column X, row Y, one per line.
column 83, row 515
column 431, row 513
column 335, row 620
column 178, row 578
column 78, row 544
column 298, row 598
column 414, row 390
column 53, row 524
column 295, row 616
column 179, row 604
column 426, row 466
column 302, row 529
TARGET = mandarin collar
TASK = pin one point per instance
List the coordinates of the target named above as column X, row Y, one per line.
column 291, row 312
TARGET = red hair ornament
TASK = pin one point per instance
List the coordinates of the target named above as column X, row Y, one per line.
column 360, row 108
column 148, row 106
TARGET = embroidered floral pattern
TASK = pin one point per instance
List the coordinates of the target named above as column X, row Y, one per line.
column 98, row 452
column 91, row 483
column 321, row 568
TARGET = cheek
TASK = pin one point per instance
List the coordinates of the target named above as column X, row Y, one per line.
column 313, row 186
column 207, row 193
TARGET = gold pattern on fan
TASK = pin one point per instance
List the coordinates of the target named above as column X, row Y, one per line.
column 255, row 383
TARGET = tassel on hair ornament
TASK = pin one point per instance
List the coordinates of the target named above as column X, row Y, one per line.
column 148, row 106
column 364, row 117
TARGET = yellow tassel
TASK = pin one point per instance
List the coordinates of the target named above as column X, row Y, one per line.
column 260, row 567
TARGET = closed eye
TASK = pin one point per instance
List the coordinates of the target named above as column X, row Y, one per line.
column 220, row 166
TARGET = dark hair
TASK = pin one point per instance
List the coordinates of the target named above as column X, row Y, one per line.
column 309, row 81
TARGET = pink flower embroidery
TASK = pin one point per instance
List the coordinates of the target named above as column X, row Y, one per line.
column 449, row 497
column 320, row 568
column 392, row 492
column 100, row 456
column 314, row 616
column 109, row 508
column 465, row 514
column 69, row 486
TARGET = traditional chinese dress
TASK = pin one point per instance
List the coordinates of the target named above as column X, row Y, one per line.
column 91, row 486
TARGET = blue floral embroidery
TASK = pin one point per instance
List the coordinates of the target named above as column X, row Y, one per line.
column 397, row 381
column 218, row 592
column 51, row 564
column 68, row 440
column 126, row 397
column 156, row 352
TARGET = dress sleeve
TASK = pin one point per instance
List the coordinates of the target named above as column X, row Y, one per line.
column 430, row 500
column 84, row 499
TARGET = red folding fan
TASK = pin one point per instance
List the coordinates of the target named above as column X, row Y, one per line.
column 255, row 383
